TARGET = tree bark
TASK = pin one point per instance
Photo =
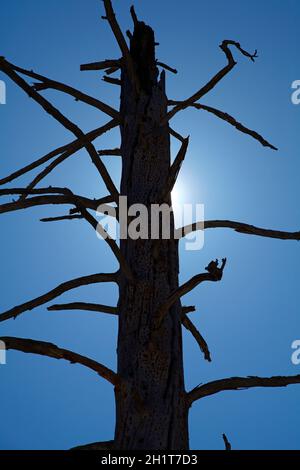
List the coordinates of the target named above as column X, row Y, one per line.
column 151, row 407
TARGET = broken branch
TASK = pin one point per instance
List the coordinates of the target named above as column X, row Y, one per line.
column 85, row 306
column 189, row 325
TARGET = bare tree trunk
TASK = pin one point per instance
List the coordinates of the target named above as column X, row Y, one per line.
column 151, row 405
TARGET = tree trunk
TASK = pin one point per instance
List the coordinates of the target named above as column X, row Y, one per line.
column 151, row 410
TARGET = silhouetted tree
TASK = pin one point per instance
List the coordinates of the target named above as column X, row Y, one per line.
column 152, row 404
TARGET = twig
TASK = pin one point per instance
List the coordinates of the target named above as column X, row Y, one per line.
column 61, row 217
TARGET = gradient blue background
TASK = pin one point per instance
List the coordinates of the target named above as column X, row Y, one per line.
column 250, row 318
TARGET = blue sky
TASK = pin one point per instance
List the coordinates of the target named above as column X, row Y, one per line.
column 250, row 318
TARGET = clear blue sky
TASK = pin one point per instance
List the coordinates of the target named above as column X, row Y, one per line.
column 250, row 318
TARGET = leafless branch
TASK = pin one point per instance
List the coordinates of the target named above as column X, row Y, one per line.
column 47, row 83
column 56, row 196
column 188, row 309
column 165, row 66
column 226, row 442
column 216, row 79
column 66, row 150
column 61, row 217
column 50, row 109
column 110, row 152
column 231, row 120
column 51, row 350
column 57, row 291
column 111, row 18
column 104, row 64
column 240, row 383
column 188, row 324
column 175, row 167
column 113, row 81
column 133, row 16
column 85, row 306
column 241, row 228
column 214, row 273
column 105, row 445
column 176, row 135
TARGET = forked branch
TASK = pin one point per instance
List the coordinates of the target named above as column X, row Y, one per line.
column 216, row 79
column 51, row 350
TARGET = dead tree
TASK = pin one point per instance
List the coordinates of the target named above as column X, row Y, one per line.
column 152, row 404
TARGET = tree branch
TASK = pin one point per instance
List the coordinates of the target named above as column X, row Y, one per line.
column 110, row 152
column 188, row 324
column 226, row 442
column 176, row 135
column 50, row 109
column 104, row 64
column 62, row 217
column 175, row 168
column 51, row 350
column 239, row 383
column 214, row 273
column 216, row 79
column 57, row 291
column 56, row 196
column 239, row 227
column 105, row 445
column 67, row 150
column 166, row 67
column 111, row 18
column 112, row 81
column 47, row 83
column 231, row 120
column 85, row 306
